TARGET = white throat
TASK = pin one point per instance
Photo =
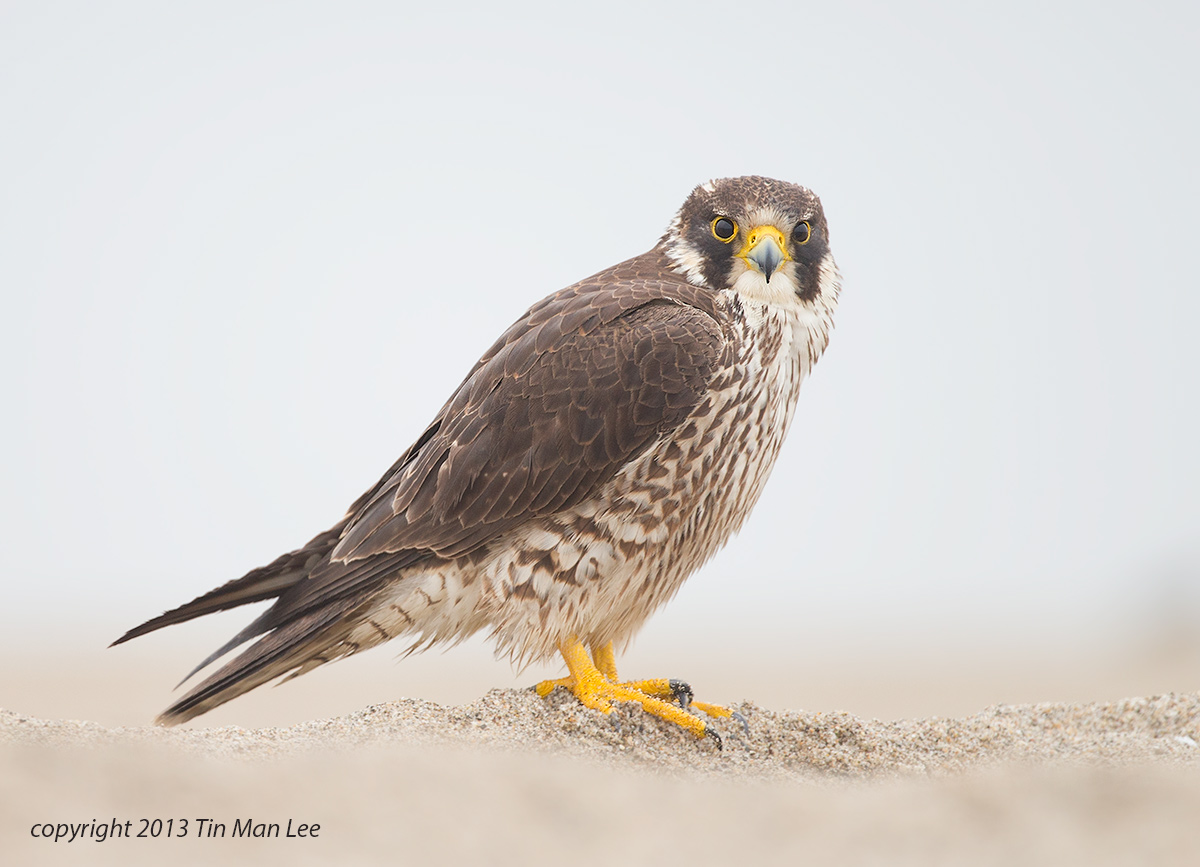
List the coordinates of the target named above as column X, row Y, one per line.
column 751, row 285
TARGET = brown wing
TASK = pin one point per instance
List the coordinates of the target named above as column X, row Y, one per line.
column 536, row 429
column 574, row 391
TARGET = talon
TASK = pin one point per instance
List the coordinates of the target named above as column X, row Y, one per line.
column 710, row 732
column 745, row 723
column 682, row 692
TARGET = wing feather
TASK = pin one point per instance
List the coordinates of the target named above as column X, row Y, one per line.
column 576, row 410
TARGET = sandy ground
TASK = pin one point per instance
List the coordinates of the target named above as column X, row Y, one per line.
column 511, row 778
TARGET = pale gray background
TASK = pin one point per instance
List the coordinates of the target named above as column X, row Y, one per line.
column 246, row 250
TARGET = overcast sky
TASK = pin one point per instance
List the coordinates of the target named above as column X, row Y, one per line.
column 247, row 250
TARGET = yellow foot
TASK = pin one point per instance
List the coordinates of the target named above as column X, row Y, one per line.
column 681, row 692
column 713, row 710
column 659, row 687
column 595, row 686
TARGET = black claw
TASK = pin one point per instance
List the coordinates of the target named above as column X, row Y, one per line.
column 745, row 724
column 710, row 732
column 683, row 693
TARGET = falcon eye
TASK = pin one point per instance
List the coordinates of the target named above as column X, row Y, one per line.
column 724, row 229
column 802, row 232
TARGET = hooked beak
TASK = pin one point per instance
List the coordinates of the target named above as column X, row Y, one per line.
column 766, row 250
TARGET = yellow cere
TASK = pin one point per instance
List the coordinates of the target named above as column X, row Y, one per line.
column 759, row 234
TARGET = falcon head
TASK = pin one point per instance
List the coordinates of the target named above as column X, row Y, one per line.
column 764, row 239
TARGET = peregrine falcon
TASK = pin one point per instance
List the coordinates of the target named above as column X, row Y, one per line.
column 607, row 445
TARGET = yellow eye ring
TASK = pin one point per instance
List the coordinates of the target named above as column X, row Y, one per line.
column 802, row 232
column 723, row 229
